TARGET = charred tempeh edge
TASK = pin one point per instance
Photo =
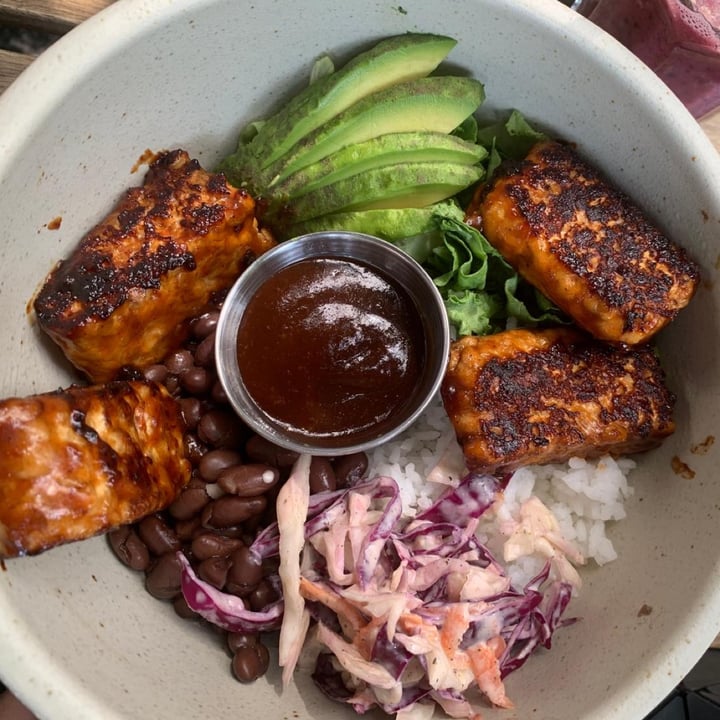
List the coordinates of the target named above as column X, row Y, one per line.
column 584, row 244
column 524, row 397
column 126, row 294
column 77, row 462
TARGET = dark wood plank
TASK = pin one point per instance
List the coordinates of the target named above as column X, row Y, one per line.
column 11, row 65
column 53, row 16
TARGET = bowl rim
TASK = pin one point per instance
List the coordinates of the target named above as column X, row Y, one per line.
column 38, row 89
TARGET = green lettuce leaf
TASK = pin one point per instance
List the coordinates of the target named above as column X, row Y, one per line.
column 512, row 138
column 482, row 293
column 472, row 312
column 468, row 129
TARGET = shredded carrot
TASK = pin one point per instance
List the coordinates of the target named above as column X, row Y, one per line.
column 497, row 644
column 453, row 629
column 486, row 669
column 365, row 637
column 314, row 591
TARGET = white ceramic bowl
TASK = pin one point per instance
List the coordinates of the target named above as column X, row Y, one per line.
column 80, row 637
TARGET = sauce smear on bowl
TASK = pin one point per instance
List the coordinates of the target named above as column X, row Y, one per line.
column 331, row 348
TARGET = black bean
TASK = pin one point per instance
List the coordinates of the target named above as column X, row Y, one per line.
column 209, row 544
column 262, row 596
column 215, row 461
column 172, row 384
column 248, row 480
column 192, row 411
column 214, row 570
column 205, row 324
column 186, row 529
column 157, row 535
column 237, row 640
column 245, row 573
column 205, row 352
column 236, row 532
column 220, row 429
column 129, row 548
column 230, row 510
column 196, row 480
column 251, row 662
column 218, row 394
column 183, row 609
column 253, row 525
column 156, row 373
column 180, row 362
column 190, row 502
column 262, row 450
column 322, row 475
column 350, row 469
column 163, row 577
column 197, row 380
column 195, row 449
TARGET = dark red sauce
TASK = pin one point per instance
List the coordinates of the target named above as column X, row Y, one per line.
column 331, row 349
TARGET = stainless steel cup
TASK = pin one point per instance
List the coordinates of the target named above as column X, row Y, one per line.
column 372, row 252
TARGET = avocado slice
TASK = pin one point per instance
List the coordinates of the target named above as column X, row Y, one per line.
column 392, row 224
column 404, row 185
column 432, row 104
column 393, row 60
column 389, row 149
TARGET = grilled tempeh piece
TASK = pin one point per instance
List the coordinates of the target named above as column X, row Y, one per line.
column 584, row 244
column 126, row 294
column 78, row 462
column 526, row 397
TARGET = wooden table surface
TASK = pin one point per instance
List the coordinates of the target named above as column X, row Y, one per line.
column 47, row 16
column 59, row 16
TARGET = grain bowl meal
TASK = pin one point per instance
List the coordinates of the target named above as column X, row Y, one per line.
column 412, row 578
column 382, row 577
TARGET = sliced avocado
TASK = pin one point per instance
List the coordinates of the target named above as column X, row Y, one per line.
column 398, row 186
column 389, row 224
column 389, row 149
column 432, row 104
column 393, row 60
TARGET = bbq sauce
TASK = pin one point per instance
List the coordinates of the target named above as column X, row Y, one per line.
column 331, row 348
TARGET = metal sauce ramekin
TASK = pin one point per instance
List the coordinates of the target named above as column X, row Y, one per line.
column 374, row 253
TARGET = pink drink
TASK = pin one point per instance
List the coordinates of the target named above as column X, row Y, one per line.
column 680, row 43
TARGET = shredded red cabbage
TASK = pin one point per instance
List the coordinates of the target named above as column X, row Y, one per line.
column 224, row 610
column 421, row 599
column 474, row 495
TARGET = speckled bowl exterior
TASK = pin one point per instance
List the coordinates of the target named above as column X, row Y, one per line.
column 80, row 638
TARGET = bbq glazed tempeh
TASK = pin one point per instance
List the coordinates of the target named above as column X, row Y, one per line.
column 78, row 462
column 584, row 245
column 524, row 397
column 126, row 294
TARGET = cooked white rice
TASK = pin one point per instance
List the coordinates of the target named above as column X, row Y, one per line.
column 579, row 499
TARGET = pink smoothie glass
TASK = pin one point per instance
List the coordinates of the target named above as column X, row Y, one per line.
column 678, row 39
